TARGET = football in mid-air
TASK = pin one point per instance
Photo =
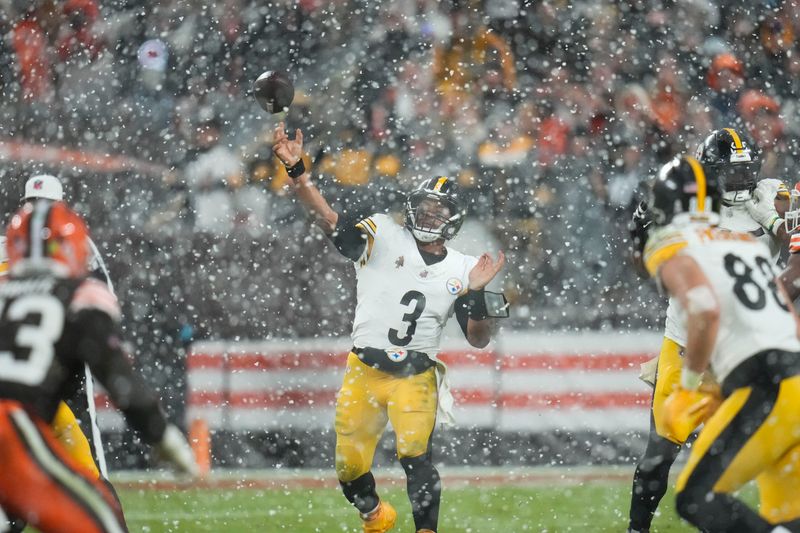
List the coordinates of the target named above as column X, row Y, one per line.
column 274, row 91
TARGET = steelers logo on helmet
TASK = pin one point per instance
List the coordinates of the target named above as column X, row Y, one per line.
column 433, row 210
column 684, row 192
column 729, row 157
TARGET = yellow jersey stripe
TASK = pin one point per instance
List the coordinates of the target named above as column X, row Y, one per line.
column 737, row 142
column 371, row 224
column 700, row 179
column 657, row 258
column 438, row 186
column 366, row 228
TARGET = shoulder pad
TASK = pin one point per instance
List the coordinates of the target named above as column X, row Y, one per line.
column 662, row 245
column 94, row 294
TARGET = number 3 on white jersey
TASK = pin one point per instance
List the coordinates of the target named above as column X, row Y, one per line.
column 39, row 338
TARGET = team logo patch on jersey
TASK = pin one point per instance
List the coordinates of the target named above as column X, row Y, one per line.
column 454, row 285
column 396, row 355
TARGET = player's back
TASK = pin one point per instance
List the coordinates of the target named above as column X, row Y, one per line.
column 753, row 314
column 39, row 336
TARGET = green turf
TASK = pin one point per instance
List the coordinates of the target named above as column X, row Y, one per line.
column 592, row 507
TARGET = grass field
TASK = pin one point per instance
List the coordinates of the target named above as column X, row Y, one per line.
column 546, row 501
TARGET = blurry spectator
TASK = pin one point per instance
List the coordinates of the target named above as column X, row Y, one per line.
column 212, row 173
column 78, row 36
column 761, row 114
column 624, row 178
column 33, row 53
column 726, row 80
column 669, row 99
column 474, row 53
column 553, row 135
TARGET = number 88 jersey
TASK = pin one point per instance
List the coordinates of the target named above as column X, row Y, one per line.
column 753, row 313
column 403, row 303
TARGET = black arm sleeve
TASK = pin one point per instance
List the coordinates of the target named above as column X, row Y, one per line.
column 462, row 312
column 100, row 347
column 348, row 239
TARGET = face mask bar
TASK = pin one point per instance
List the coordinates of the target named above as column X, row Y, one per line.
column 741, row 177
column 792, row 215
column 426, row 223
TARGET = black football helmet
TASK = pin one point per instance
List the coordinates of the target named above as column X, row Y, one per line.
column 433, row 210
column 682, row 187
column 731, row 159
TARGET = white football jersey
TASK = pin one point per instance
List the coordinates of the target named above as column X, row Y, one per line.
column 754, row 316
column 402, row 303
column 732, row 218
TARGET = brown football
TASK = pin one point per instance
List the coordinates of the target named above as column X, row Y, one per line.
column 274, row 91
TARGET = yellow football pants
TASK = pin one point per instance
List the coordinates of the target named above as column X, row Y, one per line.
column 367, row 400
column 740, row 443
column 668, row 377
column 68, row 432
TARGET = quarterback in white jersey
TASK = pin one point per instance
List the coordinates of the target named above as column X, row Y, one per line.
column 402, row 302
column 409, row 283
column 742, row 329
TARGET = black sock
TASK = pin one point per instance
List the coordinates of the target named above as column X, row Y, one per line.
column 651, row 478
column 424, row 490
column 361, row 492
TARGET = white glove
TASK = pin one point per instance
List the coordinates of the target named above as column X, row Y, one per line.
column 175, row 449
column 762, row 206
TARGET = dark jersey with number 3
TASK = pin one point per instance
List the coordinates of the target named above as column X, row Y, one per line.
column 50, row 327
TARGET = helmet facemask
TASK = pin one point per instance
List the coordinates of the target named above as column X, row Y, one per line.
column 738, row 181
column 792, row 215
column 432, row 216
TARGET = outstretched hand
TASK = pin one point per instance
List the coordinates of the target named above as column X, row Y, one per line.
column 485, row 270
column 287, row 150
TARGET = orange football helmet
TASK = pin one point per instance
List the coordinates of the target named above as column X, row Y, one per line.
column 44, row 231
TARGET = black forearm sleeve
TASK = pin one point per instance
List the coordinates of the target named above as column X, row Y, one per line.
column 100, row 347
column 348, row 239
column 461, row 308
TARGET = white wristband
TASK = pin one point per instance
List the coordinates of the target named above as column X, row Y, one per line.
column 776, row 226
column 690, row 380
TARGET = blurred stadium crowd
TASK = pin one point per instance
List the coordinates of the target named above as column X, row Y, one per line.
column 550, row 114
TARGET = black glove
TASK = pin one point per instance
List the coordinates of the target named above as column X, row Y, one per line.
column 638, row 229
